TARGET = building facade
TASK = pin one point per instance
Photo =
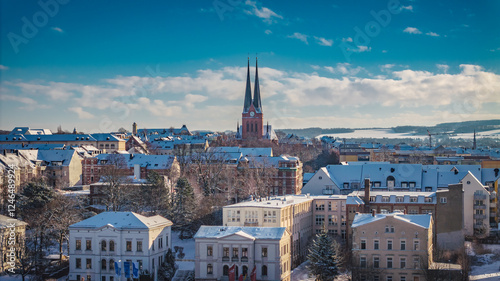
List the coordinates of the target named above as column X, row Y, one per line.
column 11, row 237
column 265, row 249
column 391, row 246
column 108, row 239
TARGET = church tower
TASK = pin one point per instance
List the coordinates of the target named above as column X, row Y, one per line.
column 252, row 115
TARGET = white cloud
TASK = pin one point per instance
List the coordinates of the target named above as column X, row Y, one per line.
column 315, row 67
column 58, row 29
column 408, row 8
column 434, row 34
column 268, row 31
column 3, row 67
column 300, row 36
column 348, row 39
column 81, row 113
column 344, row 69
column 384, row 51
column 361, row 49
column 412, row 30
column 443, row 67
column 264, row 13
column 25, row 100
column 323, row 41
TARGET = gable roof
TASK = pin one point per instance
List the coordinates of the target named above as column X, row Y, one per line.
column 423, row 220
column 274, row 233
column 122, row 220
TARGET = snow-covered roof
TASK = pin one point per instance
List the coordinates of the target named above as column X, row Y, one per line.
column 274, row 202
column 390, row 197
column 122, row 220
column 275, row 233
column 7, row 221
column 143, row 160
column 423, row 220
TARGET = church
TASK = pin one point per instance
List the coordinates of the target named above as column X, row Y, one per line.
column 252, row 123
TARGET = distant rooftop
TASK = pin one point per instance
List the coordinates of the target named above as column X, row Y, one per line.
column 122, row 220
column 275, row 233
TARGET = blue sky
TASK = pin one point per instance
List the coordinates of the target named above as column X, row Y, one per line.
column 101, row 65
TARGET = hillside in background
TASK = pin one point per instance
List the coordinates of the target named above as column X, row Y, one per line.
column 455, row 128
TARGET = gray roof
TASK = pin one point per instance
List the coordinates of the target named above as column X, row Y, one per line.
column 122, row 220
column 275, row 233
column 420, row 220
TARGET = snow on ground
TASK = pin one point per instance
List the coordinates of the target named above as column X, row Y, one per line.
column 188, row 250
column 300, row 273
column 486, row 267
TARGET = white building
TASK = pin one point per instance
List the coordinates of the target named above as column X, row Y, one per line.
column 476, row 206
column 100, row 241
column 218, row 248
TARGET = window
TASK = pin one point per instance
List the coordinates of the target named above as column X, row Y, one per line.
column 78, row 245
column 442, row 200
column 225, row 270
column 320, row 207
column 375, row 244
column 210, row 269
column 139, row 246
column 225, row 252
column 88, row 245
column 389, row 278
column 329, row 206
column 376, row 184
column 389, row 244
column 402, row 263
column 428, row 200
column 111, row 245
column 210, row 251
column 363, row 244
column 389, row 262
column 385, row 198
column 245, row 270
column 412, row 184
column 332, row 220
column 78, row 263
column 362, row 262
column 320, row 219
column 111, row 264
column 103, row 278
column 160, row 243
column 390, row 181
column 399, row 199
column 403, row 245
column 103, row 245
column 403, row 278
column 416, row 245
column 235, row 252
column 376, row 262
column 103, row 264
column 372, row 198
column 416, row 262
column 413, row 199
column 244, row 252
column 129, row 246
column 346, row 185
column 89, row 264
column 404, row 184
column 264, row 270
column 89, row 277
column 392, row 229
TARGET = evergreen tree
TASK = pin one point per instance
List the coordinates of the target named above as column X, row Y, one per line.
column 323, row 257
column 184, row 206
column 156, row 195
column 166, row 272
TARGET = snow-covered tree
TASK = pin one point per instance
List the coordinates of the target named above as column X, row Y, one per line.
column 166, row 272
column 184, row 207
column 323, row 257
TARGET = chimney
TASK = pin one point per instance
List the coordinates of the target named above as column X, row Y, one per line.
column 367, row 191
column 373, row 212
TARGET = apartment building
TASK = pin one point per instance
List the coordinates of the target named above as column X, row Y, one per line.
column 100, row 243
column 330, row 212
column 265, row 249
column 294, row 212
column 391, row 246
column 11, row 236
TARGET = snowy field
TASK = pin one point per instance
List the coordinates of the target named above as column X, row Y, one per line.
column 486, row 266
column 389, row 133
column 188, row 250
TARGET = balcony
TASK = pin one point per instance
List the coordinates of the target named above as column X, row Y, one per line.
column 244, row 259
column 236, row 259
column 479, row 216
column 480, row 207
column 225, row 258
column 479, row 196
column 327, row 191
column 255, row 223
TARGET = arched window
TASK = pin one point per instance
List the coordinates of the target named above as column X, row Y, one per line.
column 210, row 269
column 103, row 245
column 111, row 245
column 248, row 127
column 225, row 270
column 111, row 264
column 391, row 181
column 264, row 270
column 103, row 264
column 236, row 270
column 245, row 270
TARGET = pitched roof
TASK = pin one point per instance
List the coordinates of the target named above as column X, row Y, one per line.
column 122, row 220
column 275, row 233
column 248, row 91
column 419, row 220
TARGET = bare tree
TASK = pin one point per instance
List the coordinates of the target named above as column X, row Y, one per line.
column 114, row 177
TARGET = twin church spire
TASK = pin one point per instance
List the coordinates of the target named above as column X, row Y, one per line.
column 248, row 92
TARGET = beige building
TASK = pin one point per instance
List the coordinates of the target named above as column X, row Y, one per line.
column 267, row 249
column 11, row 237
column 330, row 211
column 293, row 212
column 476, row 206
column 391, row 246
